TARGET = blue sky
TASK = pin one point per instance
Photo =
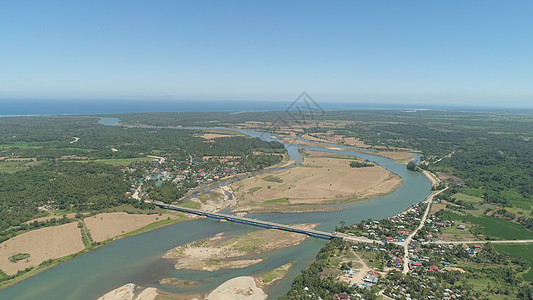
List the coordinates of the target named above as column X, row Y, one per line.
column 438, row 52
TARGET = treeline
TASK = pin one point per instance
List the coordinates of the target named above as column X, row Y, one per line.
column 69, row 186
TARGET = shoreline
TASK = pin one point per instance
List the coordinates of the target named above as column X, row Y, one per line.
column 39, row 269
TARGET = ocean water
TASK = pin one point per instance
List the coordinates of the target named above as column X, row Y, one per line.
column 59, row 107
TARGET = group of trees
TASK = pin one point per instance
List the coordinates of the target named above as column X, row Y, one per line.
column 68, row 186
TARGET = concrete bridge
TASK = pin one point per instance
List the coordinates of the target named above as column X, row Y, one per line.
column 253, row 222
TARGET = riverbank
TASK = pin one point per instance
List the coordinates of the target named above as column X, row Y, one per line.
column 222, row 252
column 51, row 246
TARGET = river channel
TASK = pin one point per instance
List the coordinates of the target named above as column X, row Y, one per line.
column 137, row 259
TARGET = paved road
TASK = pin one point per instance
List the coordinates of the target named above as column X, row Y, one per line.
column 407, row 241
column 484, row 242
column 249, row 221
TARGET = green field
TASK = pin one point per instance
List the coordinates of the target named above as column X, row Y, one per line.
column 468, row 198
column 494, row 227
column 20, row 144
column 474, row 192
column 191, row 204
column 14, row 166
column 524, row 251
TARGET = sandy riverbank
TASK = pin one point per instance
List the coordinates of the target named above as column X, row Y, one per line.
column 130, row 291
column 238, row 288
column 432, row 178
column 220, row 252
column 321, row 178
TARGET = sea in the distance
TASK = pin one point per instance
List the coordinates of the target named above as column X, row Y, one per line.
column 10, row 107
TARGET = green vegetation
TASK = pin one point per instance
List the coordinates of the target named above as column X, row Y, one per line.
column 254, row 189
column 66, row 186
column 277, row 273
column 191, row 204
column 88, row 241
column 312, row 281
column 278, row 201
column 272, row 178
column 358, row 164
column 412, row 166
column 18, row 256
column 493, row 227
column 521, row 252
column 15, row 166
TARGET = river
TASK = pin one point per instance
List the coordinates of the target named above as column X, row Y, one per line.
column 138, row 259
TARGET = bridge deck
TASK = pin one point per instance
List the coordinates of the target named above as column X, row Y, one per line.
column 248, row 221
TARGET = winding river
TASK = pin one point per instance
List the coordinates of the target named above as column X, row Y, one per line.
column 138, row 259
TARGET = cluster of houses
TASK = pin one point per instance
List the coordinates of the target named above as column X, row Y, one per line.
column 179, row 172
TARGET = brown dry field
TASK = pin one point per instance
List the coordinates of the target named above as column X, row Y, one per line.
column 108, row 225
column 396, row 155
column 446, row 176
column 322, row 177
column 437, row 207
column 41, row 244
column 315, row 139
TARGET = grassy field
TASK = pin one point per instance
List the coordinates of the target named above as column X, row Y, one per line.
column 277, row 273
column 191, row 204
column 20, row 144
column 468, row 198
column 14, row 166
column 519, row 204
column 494, row 227
column 519, row 251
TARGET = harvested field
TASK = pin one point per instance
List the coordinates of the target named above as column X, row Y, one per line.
column 448, row 176
column 321, row 178
column 108, row 225
column 397, row 155
column 41, row 244
column 437, row 207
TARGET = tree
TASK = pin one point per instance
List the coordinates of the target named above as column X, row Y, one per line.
column 412, row 166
